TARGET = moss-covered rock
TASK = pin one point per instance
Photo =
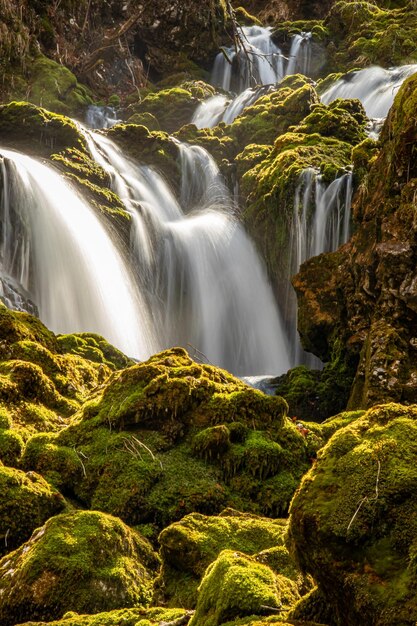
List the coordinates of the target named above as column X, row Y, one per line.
column 171, row 108
column 362, row 34
column 54, row 87
column 352, row 523
column 44, row 379
column 154, row 148
column 135, row 449
column 128, row 617
column 236, row 585
column 274, row 113
column 37, row 131
column 84, row 561
column 190, row 545
column 27, row 502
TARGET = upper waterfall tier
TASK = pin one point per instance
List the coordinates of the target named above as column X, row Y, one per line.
column 256, row 61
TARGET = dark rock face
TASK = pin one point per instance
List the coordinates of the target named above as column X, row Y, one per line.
column 363, row 297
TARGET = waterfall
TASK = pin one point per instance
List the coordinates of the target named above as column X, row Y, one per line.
column 320, row 223
column 196, row 268
column 258, row 62
column 56, row 248
column 375, row 87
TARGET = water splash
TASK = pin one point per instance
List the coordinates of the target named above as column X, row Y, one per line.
column 56, row 248
column 374, row 86
column 200, row 275
column 100, row 117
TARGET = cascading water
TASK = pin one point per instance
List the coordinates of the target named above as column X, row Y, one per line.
column 258, row 62
column 320, row 223
column 374, row 86
column 55, row 247
column 200, row 274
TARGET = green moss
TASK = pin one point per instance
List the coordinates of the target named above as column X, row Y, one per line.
column 85, row 561
column 27, row 502
column 190, row 545
column 40, row 386
column 233, row 586
column 55, row 88
column 11, row 447
column 128, row 617
column 366, row 34
column 273, row 114
column 37, row 131
column 173, row 107
column 153, row 148
column 94, row 348
column 135, row 449
column 358, row 531
column 343, row 119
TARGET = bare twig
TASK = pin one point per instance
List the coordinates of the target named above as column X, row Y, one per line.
column 366, row 499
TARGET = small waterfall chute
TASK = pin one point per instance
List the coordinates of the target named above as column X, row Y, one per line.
column 320, row 223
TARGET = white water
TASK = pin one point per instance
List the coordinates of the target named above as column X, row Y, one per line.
column 56, row 248
column 320, row 223
column 374, row 86
column 242, row 71
column 196, row 267
column 101, row 117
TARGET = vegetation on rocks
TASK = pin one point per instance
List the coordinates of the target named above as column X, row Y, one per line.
column 84, row 561
column 358, row 533
column 145, row 446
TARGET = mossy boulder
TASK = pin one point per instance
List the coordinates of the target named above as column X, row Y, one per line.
column 128, row 617
column 352, row 522
column 236, row 585
column 136, row 448
column 37, row 131
column 190, row 545
column 154, row 148
column 171, row 108
column 343, row 119
column 54, row 87
column 27, row 502
column 362, row 34
column 84, row 561
column 274, row 113
column 44, row 379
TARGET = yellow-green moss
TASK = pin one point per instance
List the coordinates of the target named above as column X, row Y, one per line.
column 233, row 586
column 353, row 520
column 84, row 561
column 190, row 545
column 27, row 501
